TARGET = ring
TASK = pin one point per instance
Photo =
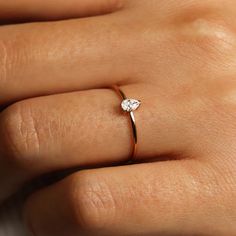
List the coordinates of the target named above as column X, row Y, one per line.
column 129, row 105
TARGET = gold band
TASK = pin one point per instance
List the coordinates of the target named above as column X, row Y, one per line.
column 132, row 121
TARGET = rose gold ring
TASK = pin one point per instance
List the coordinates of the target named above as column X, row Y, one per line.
column 128, row 106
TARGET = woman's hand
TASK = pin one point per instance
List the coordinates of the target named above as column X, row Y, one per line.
column 178, row 58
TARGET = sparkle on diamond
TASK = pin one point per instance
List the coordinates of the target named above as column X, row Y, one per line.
column 130, row 105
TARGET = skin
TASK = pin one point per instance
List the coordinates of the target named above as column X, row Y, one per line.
column 178, row 58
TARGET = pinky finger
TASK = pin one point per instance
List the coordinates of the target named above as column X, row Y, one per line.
column 168, row 198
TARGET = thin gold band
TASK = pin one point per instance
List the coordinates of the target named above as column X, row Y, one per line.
column 132, row 121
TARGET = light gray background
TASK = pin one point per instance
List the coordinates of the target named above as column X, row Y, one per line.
column 10, row 213
column 10, row 218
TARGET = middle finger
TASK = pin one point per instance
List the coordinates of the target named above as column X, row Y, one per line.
column 48, row 58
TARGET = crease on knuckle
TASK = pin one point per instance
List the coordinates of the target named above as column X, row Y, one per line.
column 5, row 63
column 20, row 132
column 15, row 54
column 94, row 204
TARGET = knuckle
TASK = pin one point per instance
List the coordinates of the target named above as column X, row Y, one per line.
column 204, row 26
column 211, row 36
column 93, row 202
column 4, row 62
column 14, row 53
column 19, row 133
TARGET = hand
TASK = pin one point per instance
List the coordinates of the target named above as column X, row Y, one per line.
column 178, row 58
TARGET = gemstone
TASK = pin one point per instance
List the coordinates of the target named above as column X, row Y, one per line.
column 130, row 105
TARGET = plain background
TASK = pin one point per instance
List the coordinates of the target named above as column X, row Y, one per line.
column 10, row 218
column 10, row 213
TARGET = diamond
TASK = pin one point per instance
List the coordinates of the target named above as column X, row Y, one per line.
column 130, row 105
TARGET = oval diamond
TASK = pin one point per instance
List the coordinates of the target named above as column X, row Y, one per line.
column 130, row 105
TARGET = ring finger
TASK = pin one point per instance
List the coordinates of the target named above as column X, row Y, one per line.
column 44, row 134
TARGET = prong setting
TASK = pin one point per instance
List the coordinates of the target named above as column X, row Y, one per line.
column 130, row 105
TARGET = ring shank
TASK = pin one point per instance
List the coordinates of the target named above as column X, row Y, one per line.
column 132, row 121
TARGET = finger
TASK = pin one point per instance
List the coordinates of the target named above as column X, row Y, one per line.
column 86, row 128
column 168, row 198
column 55, row 9
column 48, row 58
